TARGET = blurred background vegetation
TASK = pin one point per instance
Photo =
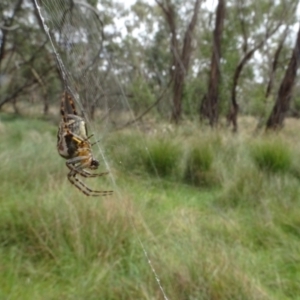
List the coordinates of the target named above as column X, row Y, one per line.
column 217, row 213
column 207, row 60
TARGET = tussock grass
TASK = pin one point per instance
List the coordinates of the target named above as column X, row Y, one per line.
column 272, row 156
column 162, row 157
column 198, row 169
column 239, row 240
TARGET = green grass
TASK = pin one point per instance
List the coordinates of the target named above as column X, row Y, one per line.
column 239, row 239
column 161, row 157
column 272, row 156
column 198, row 166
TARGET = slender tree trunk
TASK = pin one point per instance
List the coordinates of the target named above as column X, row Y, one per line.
column 209, row 105
column 180, row 59
column 234, row 109
column 177, row 96
column 275, row 63
column 46, row 104
column 283, row 100
column 7, row 23
column 14, row 104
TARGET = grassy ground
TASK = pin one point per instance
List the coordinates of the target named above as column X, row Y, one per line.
column 217, row 214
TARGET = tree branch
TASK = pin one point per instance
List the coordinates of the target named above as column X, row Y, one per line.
column 19, row 90
column 275, row 61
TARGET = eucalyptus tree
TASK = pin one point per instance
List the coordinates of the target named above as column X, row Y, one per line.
column 254, row 29
column 209, row 105
column 181, row 38
column 285, row 91
column 25, row 65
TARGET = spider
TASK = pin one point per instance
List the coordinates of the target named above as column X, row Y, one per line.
column 73, row 144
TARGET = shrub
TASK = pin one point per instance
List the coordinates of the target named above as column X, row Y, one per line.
column 272, row 156
column 162, row 157
column 198, row 168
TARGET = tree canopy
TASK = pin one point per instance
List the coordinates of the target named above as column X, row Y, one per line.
column 171, row 58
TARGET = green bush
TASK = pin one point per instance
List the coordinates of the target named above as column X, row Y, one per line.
column 161, row 157
column 198, row 168
column 272, row 156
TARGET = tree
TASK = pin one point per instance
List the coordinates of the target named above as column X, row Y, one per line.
column 209, row 105
column 22, row 60
column 181, row 55
column 249, row 50
column 284, row 96
column 6, row 25
column 275, row 61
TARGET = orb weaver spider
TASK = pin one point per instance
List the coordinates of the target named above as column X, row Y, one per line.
column 73, row 144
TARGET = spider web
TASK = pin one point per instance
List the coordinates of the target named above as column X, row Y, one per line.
column 76, row 34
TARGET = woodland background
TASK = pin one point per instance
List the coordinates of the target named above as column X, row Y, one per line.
column 171, row 59
column 215, row 214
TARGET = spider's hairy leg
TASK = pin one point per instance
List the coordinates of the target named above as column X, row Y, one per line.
column 84, row 189
column 85, row 173
column 90, row 136
column 95, row 143
column 71, row 102
column 67, row 103
column 77, row 164
column 62, row 108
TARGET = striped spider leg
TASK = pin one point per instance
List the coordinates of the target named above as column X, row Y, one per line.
column 73, row 144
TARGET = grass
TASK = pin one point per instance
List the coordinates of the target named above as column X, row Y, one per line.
column 198, row 166
column 272, row 156
column 239, row 239
column 161, row 157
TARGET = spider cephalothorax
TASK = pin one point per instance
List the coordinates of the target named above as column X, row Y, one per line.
column 73, row 144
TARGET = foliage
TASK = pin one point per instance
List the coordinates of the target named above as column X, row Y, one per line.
column 192, row 94
column 246, row 189
column 124, row 151
column 271, row 156
column 198, row 169
column 229, row 242
column 132, row 65
column 142, row 97
column 161, row 157
column 237, row 238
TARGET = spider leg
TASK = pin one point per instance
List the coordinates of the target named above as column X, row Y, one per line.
column 62, row 108
column 95, row 143
column 91, row 135
column 67, row 100
column 71, row 164
column 85, row 173
column 83, row 188
column 67, row 103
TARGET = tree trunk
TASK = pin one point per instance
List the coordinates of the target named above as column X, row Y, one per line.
column 177, row 96
column 283, row 100
column 275, row 62
column 233, row 112
column 209, row 105
column 14, row 104
column 46, row 104
column 180, row 59
column 5, row 28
